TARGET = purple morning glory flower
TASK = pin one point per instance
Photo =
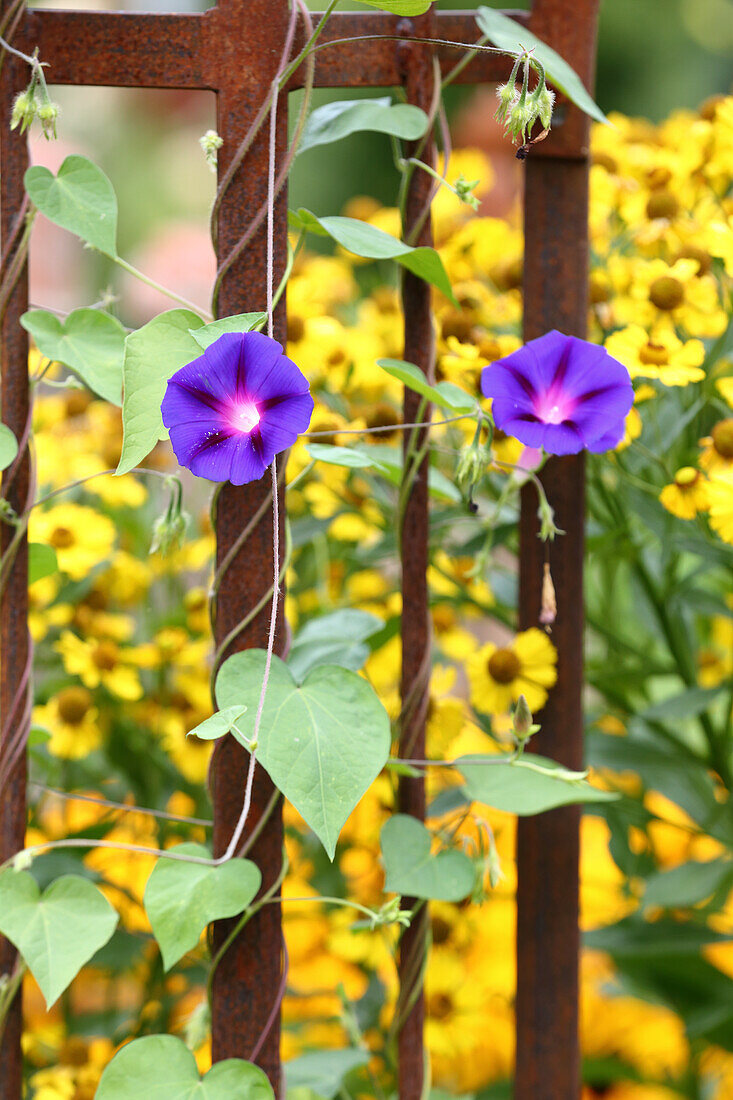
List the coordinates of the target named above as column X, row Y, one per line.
column 560, row 393
column 230, row 411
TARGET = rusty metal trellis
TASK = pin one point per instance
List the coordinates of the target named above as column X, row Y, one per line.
column 233, row 50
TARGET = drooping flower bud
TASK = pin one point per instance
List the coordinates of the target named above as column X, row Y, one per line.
column 548, row 607
column 522, row 719
column 211, row 143
column 24, row 109
column 47, row 113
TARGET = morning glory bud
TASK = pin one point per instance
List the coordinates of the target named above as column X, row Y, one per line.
column 24, row 110
column 47, row 113
column 211, row 143
column 506, row 95
column 544, row 100
column 522, row 719
column 464, row 190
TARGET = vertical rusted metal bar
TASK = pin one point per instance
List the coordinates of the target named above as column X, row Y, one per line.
column 14, row 639
column 555, row 296
column 415, row 687
column 247, row 984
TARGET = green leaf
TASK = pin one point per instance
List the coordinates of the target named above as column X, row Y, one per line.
column 517, row 788
column 338, row 638
column 218, row 724
column 152, row 355
column 390, row 459
column 56, row 932
column 342, row 456
column 688, row 884
column 342, row 117
column 241, row 322
column 323, row 1071
column 80, row 198
column 687, row 703
column 42, row 561
column 374, row 244
column 511, row 36
column 161, row 1067
column 400, row 7
column 8, row 446
column 444, row 394
column 89, row 342
column 182, row 898
column 633, row 937
column 413, row 871
column 322, row 743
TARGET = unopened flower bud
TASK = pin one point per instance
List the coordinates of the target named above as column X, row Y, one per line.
column 522, row 719
column 47, row 113
column 545, row 100
column 24, row 110
column 548, row 605
column 211, row 143
column 507, row 96
column 464, row 191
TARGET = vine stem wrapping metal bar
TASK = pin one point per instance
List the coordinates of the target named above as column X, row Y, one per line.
column 419, row 344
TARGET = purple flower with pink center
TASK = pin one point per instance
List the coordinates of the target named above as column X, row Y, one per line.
column 229, row 412
column 560, row 393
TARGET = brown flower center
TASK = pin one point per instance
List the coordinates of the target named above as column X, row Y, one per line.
column 661, row 204
column 61, row 538
column 598, row 289
column 504, row 666
column 73, row 704
column 509, row 274
column 441, row 929
column 666, row 292
column 722, row 435
column 606, row 162
column 654, row 355
column 296, row 328
column 105, row 656
column 456, row 324
column 441, row 1006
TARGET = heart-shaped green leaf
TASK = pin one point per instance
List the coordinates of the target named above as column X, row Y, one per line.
column 58, row 931
column 411, row 869
column 161, row 1067
column 89, row 342
column 338, row 638
column 8, row 446
column 42, row 561
column 323, row 1071
column 342, row 117
column 511, row 36
column 529, row 785
column 374, row 244
column 241, row 322
column 80, row 198
column 322, row 743
column 218, row 724
column 182, row 898
column 152, row 355
column 444, row 394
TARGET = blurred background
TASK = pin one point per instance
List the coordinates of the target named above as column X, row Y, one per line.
column 654, row 56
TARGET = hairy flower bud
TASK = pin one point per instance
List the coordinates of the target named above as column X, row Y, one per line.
column 47, row 113
column 211, row 143
column 24, row 110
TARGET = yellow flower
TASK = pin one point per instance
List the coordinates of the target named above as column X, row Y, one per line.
column 101, row 662
column 718, row 447
column 72, row 722
column 81, row 537
column 499, row 675
column 720, row 496
column 660, row 355
column 674, row 294
column 725, row 388
column 687, row 495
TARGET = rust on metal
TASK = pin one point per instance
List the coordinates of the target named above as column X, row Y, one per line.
column 555, row 296
column 247, row 983
column 233, row 50
column 14, row 639
column 419, row 348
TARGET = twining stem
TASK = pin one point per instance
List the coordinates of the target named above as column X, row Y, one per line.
column 162, row 289
column 9, row 990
